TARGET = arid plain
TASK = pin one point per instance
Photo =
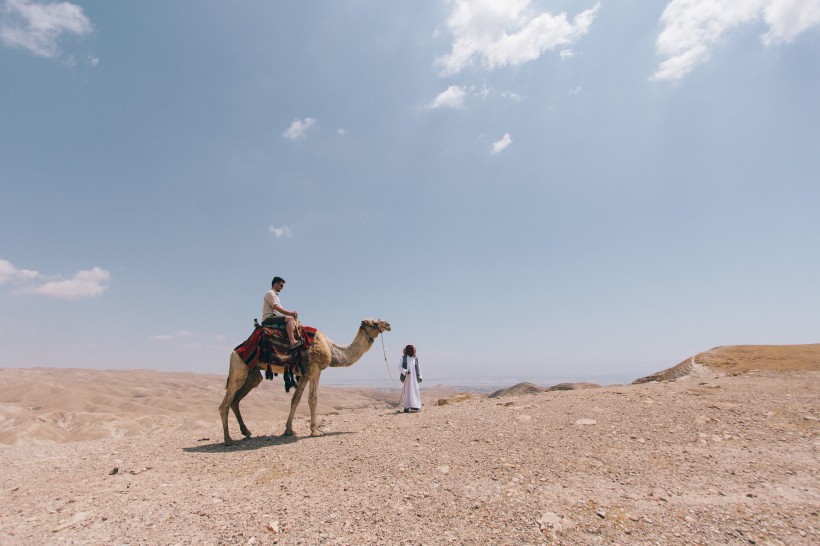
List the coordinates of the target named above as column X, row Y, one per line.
column 721, row 449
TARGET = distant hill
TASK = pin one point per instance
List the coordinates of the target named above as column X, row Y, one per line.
column 517, row 390
column 737, row 359
column 573, row 386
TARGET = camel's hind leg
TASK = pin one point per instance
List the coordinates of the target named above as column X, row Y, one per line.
column 294, row 403
column 253, row 380
column 313, row 398
column 237, row 375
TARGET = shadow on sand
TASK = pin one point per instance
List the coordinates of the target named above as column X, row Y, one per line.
column 254, row 442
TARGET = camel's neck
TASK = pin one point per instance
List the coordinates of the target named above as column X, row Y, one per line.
column 341, row 357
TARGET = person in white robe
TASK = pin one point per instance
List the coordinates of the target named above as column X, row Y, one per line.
column 410, row 377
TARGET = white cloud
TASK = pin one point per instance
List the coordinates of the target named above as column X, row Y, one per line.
column 38, row 27
column 284, row 231
column 501, row 145
column 299, row 128
column 452, row 97
column 566, row 54
column 507, row 32
column 84, row 284
column 176, row 335
column 512, row 96
column 788, row 18
column 693, row 27
column 575, row 90
column 10, row 274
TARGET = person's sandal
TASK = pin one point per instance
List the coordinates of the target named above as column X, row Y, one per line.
column 295, row 345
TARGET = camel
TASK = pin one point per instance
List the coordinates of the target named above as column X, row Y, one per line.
column 321, row 354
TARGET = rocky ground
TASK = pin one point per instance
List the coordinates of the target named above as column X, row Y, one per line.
column 706, row 459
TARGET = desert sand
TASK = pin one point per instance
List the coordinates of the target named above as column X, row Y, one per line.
column 721, row 449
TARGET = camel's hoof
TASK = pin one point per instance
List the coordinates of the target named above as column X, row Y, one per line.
column 246, row 433
column 315, row 432
column 229, row 442
column 288, row 433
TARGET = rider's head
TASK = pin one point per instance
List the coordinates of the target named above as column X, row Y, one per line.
column 276, row 280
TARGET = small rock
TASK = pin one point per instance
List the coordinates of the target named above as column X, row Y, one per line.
column 113, row 471
column 273, row 527
column 586, row 422
column 552, row 522
column 601, row 514
column 77, row 518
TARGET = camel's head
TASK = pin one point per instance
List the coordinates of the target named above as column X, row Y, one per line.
column 374, row 327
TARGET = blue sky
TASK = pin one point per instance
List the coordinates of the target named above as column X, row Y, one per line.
column 540, row 190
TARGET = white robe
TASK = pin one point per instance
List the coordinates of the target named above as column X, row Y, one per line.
column 410, row 397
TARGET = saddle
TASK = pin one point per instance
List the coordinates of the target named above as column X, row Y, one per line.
column 268, row 348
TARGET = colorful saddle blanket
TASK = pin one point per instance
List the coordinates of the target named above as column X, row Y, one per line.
column 267, row 347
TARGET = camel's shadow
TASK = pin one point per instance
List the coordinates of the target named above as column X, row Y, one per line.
column 255, row 442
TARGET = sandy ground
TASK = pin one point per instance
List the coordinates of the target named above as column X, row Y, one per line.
column 711, row 458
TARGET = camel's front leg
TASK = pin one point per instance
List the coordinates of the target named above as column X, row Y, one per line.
column 251, row 382
column 294, row 403
column 237, row 377
column 224, row 407
column 313, row 398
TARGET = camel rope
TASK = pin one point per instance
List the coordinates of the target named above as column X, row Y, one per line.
column 386, row 364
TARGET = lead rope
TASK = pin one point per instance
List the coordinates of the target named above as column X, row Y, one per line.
column 384, row 351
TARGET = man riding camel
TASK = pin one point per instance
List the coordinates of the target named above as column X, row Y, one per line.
column 273, row 312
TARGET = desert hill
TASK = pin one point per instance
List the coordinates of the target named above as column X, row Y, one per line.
column 517, row 390
column 720, row 455
column 43, row 405
column 736, row 359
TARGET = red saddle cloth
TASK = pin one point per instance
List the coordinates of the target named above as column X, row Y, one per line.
column 268, row 345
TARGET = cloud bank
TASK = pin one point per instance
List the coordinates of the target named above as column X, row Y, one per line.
column 500, row 33
column 84, row 284
column 692, row 28
column 38, row 27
